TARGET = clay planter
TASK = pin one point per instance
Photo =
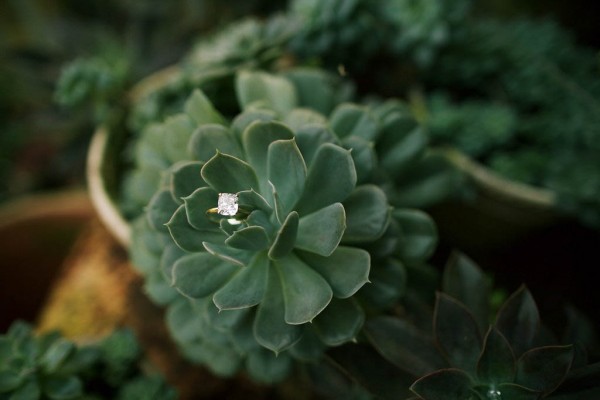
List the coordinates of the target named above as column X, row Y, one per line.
column 499, row 213
column 36, row 233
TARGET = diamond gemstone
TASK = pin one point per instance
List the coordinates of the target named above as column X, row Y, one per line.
column 227, row 204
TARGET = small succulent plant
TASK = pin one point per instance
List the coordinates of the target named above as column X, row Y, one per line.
column 51, row 367
column 514, row 357
column 285, row 273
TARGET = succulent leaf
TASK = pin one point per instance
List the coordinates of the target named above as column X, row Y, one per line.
column 352, row 120
column 510, row 391
column 246, row 288
column 200, row 274
column 403, row 345
column 405, row 151
column 228, row 174
column 9, row 380
column 267, row 368
column 274, row 92
column 322, row 231
column 464, row 281
column 310, row 138
column 497, row 361
column 270, row 328
column 346, row 269
column 457, row 333
column 306, row 293
column 445, row 384
column 544, row 368
column 59, row 388
column 210, row 138
column 519, row 320
column 253, row 238
column 201, row 110
column 285, row 240
column 367, row 214
column 229, row 254
column 186, row 236
column 418, row 235
column 196, row 205
column 286, row 170
column 184, row 179
column 180, row 128
column 56, row 355
column 340, row 322
column 323, row 189
column 363, row 155
column 160, row 209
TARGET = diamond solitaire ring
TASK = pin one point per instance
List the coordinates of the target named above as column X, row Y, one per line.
column 227, row 206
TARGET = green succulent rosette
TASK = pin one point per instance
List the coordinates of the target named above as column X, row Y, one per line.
column 284, row 280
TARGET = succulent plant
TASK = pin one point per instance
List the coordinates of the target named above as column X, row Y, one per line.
column 285, row 277
column 49, row 366
column 464, row 353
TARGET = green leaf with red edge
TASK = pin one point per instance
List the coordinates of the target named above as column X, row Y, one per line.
column 464, row 281
column 497, row 361
column 404, row 345
column 544, row 368
column 456, row 333
column 444, row 384
column 519, row 320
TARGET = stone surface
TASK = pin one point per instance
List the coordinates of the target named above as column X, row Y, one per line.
column 227, row 204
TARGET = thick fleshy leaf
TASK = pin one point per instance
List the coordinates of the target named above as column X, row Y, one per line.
column 245, row 119
column 418, row 235
column 178, row 130
column 222, row 321
column 346, row 269
column 331, row 178
column 306, row 293
column 270, row 328
column 388, row 284
column 208, row 139
column 200, row 274
column 353, row 120
column 286, row 171
column 544, row 368
column 228, row 174
column 310, row 348
column 201, row 110
column 405, row 151
column 229, row 254
column 160, row 210
column 158, row 289
column 286, row 237
column 404, row 345
column 309, row 139
column 196, row 205
column 252, row 238
column 63, row 388
column 246, row 288
column 506, row 391
column 28, row 391
column 457, row 333
column 300, row 117
column 445, row 384
column 363, row 154
column 150, row 149
column 497, row 361
column 321, row 231
column 315, row 88
column 57, row 354
column 267, row 368
column 183, row 321
column 185, row 178
column 275, row 92
column 256, row 140
column 188, row 238
column 340, row 322
column 10, row 380
column 261, row 218
column 519, row 320
column 251, row 200
column 367, row 214
column 464, row 281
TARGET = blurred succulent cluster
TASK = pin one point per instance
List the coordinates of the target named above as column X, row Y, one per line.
column 285, row 282
column 356, row 32
column 465, row 350
column 48, row 366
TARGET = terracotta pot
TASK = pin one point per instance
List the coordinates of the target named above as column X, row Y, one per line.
column 36, row 233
